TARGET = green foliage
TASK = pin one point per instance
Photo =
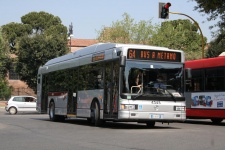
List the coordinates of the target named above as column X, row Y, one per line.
column 40, row 21
column 4, row 57
column 216, row 47
column 39, row 38
column 127, row 31
column 5, row 90
column 12, row 32
column 214, row 8
column 33, row 53
column 179, row 34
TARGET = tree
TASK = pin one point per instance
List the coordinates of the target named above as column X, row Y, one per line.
column 5, row 90
column 127, row 31
column 216, row 46
column 39, row 38
column 12, row 33
column 216, row 10
column 179, row 34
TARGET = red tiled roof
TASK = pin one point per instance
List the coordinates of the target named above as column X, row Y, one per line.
column 82, row 42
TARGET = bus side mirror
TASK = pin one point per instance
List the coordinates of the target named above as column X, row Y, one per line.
column 122, row 61
column 188, row 73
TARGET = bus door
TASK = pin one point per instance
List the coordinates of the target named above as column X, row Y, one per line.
column 72, row 80
column 72, row 102
column 111, row 89
column 41, row 94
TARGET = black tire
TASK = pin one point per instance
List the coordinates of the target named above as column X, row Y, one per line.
column 12, row 110
column 52, row 115
column 61, row 118
column 150, row 124
column 89, row 120
column 95, row 114
column 216, row 120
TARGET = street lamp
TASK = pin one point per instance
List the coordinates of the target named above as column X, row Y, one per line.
column 70, row 34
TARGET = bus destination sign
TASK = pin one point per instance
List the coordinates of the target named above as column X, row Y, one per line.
column 98, row 57
column 156, row 55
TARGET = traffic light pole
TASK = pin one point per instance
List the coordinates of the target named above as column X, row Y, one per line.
column 197, row 26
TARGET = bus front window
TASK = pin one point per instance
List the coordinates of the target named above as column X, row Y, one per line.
column 153, row 78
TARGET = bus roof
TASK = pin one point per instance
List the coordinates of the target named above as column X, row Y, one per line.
column 98, row 48
column 86, row 55
column 206, row 63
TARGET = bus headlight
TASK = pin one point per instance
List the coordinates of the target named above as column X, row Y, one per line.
column 128, row 107
column 179, row 108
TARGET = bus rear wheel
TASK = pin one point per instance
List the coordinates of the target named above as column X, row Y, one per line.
column 216, row 120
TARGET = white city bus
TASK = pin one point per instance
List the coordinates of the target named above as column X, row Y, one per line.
column 99, row 83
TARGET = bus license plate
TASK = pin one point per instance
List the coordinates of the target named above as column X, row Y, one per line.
column 156, row 116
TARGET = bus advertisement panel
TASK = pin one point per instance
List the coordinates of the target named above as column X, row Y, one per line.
column 215, row 100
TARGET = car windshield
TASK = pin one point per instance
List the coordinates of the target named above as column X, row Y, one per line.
column 153, row 78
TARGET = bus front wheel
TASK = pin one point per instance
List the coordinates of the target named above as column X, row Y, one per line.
column 95, row 114
column 52, row 115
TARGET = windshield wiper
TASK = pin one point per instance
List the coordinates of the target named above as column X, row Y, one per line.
column 173, row 97
column 137, row 96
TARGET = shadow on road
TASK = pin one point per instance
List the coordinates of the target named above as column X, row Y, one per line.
column 115, row 125
column 203, row 122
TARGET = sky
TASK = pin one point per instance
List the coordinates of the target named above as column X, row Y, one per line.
column 90, row 16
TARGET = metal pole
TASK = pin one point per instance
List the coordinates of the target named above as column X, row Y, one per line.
column 71, row 34
column 70, row 44
column 197, row 26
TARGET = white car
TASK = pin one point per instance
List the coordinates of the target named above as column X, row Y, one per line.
column 21, row 104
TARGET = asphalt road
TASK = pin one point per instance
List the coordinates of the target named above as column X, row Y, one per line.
column 26, row 131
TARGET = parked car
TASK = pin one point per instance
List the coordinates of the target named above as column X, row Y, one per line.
column 21, row 104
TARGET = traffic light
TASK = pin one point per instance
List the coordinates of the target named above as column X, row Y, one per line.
column 165, row 11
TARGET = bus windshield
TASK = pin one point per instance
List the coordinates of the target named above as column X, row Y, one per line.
column 153, row 78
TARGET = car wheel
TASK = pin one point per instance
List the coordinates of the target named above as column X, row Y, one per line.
column 12, row 110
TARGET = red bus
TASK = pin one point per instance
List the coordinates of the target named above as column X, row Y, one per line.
column 205, row 89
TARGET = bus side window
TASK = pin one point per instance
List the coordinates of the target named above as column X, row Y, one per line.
column 196, row 82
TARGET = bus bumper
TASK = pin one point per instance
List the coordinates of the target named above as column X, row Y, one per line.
column 134, row 115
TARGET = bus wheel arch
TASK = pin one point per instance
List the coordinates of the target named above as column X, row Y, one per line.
column 95, row 113
column 52, row 115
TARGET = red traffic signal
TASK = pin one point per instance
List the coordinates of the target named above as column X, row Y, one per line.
column 165, row 10
column 167, row 5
